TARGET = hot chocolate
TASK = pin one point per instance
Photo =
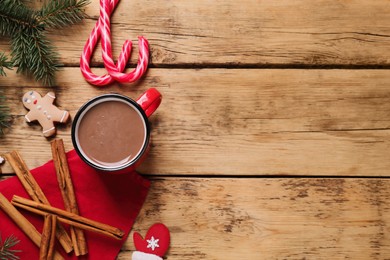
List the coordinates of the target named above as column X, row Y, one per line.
column 111, row 133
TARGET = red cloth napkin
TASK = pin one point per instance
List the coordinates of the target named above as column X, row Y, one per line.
column 113, row 199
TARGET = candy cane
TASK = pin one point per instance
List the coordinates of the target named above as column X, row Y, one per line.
column 87, row 53
column 112, row 69
column 90, row 45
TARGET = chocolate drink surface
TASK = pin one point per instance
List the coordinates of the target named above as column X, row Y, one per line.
column 112, row 133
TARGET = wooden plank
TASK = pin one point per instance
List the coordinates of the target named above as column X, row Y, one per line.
column 239, row 122
column 269, row 218
column 242, row 33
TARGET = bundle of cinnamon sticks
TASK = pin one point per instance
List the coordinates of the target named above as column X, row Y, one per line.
column 39, row 204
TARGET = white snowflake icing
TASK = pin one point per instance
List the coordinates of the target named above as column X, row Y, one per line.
column 152, row 243
column 1, row 160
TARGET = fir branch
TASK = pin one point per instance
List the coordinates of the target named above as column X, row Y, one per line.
column 6, row 253
column 30, row 49
column 4, row 63
column 15, row 16
column 60, row 13
column 4, row 119
column 33, row 54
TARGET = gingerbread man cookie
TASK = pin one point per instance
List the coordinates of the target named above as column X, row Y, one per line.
column 43, row 110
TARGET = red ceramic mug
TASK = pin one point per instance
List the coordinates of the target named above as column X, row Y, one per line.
column 111, row 132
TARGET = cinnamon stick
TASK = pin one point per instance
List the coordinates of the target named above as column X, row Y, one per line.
column 68, row 195
column 46, row 251
column 23, row 223
column 68, row 217
column 36, row 193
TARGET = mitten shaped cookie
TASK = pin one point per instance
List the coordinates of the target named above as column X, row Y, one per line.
column 154, row 245
column 43, row 110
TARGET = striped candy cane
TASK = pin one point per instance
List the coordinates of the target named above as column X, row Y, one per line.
column 87, row 54
column 112, row 69
column 90, row 45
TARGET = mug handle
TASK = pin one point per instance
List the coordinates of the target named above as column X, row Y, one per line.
column 149, row 101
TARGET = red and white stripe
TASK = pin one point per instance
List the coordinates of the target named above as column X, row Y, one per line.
column 102, row 31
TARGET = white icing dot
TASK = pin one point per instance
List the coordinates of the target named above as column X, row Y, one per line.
column 1, row 160
column 39, row 107
column 49, row 117
column 28, row 101
column 45, row 112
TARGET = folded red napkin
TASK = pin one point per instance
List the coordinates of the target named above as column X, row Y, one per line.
column 113, row 199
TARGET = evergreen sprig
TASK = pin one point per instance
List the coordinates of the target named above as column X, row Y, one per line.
column 15, row 16
column 56, row 13
column 31, row 51
column 4, row 117
column 4, row 110
column 6, row 253
column 4, row 63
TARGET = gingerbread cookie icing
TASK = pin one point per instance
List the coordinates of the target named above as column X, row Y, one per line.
column 43, row 110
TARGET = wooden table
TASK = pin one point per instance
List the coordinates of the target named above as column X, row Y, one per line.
column 273, row 138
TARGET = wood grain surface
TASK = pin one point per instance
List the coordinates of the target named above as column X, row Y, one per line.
column 242, row 33
column 240, row 122
column 273, row 137
column 298, row 218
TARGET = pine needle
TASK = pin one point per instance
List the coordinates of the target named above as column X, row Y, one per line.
column 6, row 253
column 31, row 51
column 15, row 16
column 34, row 54
column 61, row 13
column 4, row 63
column 4, row 117
column 4, row 110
